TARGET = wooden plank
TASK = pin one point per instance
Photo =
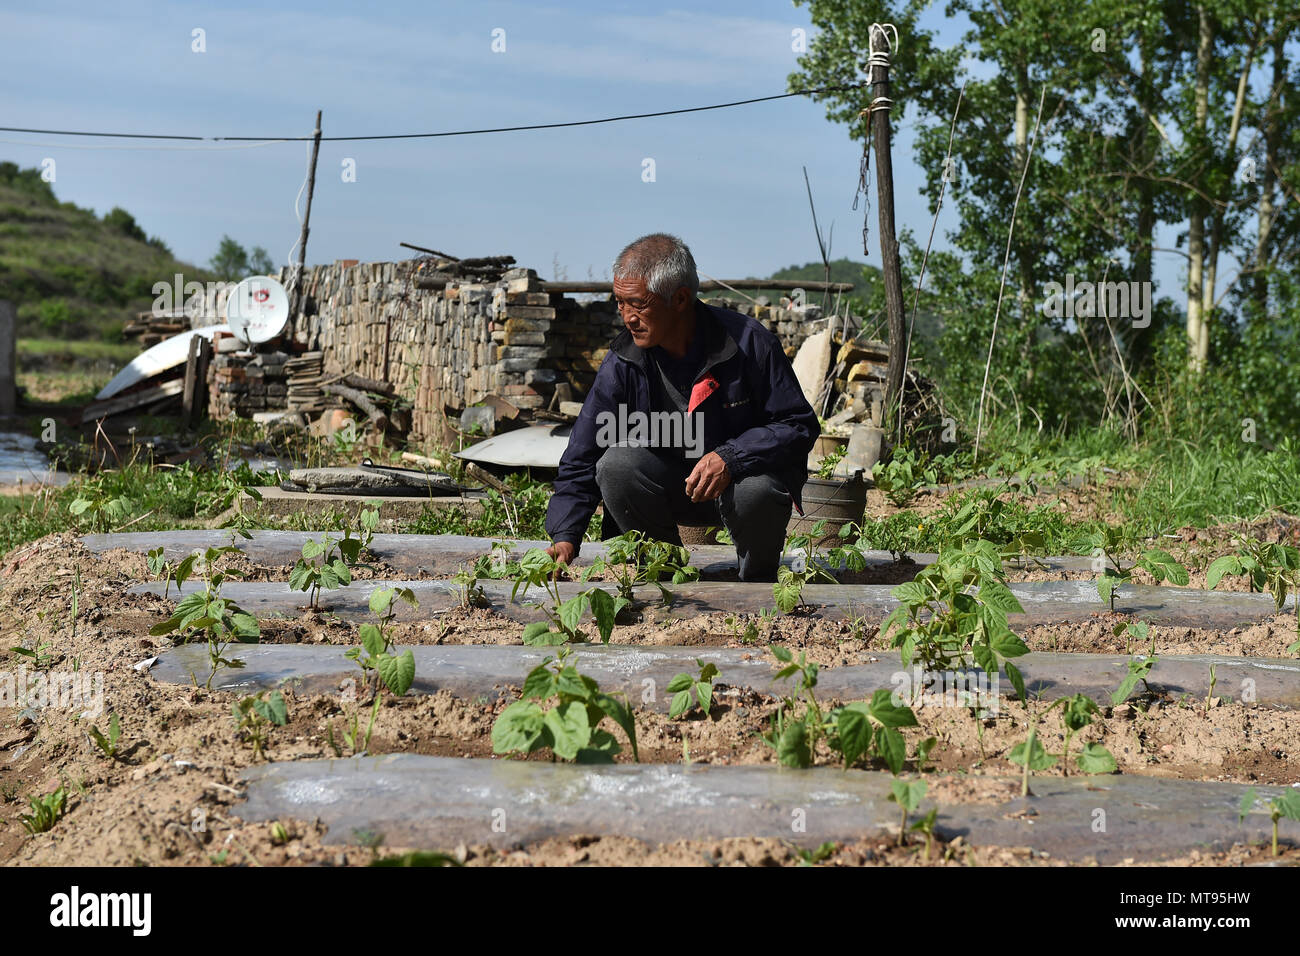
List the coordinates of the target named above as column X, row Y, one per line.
column 125, row 403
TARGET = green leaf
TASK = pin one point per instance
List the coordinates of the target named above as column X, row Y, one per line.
column 518, row 729
column 1289, row 804
column 301, row 577
column 535, row 631
column 604, row 610
column 1247, row 804
column 892, row 748
column 854, row 732
column 1017, row 679
column 372, row 639
column 792, row 748
column 570, row 612
column 380, row 600
column 311, row 549
column 997, row 595
column 1039, row 759
column 680, row 682
column 787, row 589
column 245, row 627
column 618, row 712
column 570, row 731
column 704, row 691
column 681, row 704
column 342, row 571
column 910, row 593
column 570, row 682
column 1096, row 759
column 907, row 794
column 781, row 653
column 601, row 749
column 398, row 673
column 539, row 684
column 884, row 712
column 1228, row 564
column 273, row 709
column 1007, row 645
column 1106, row 586
column 1162, row 563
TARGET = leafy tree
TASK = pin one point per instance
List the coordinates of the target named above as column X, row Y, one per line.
column 259, row 262
column 231, row 261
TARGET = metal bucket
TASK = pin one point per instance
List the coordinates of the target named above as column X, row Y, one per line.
column 837, row 501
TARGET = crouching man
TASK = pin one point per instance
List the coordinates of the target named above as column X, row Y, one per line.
column 695, row 418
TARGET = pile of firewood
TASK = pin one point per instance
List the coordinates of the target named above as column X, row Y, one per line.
column 435, row 270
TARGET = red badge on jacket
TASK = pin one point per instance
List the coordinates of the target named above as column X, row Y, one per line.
column 702, row 390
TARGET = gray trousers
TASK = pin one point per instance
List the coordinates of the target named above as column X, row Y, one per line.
column 645, row 490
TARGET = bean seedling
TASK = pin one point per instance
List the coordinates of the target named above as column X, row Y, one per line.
column 219, row 619
column 1287, row 805
column 256, row 714
column 1031, row 755
column 682, row 684
column 397, row 671
column 854, row 731
column 908, row 794
column 108, row 745
column 46, row 811
column 940, row 619
column 539, row 569
column 1271, row 567
column 633, row 559
column 571, row 727
column 1077, row 713
column 1105, row 544
column 1138, row 669
column 803, row 569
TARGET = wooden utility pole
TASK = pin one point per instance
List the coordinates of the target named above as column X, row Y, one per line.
column 295, row 299
column 878, row 67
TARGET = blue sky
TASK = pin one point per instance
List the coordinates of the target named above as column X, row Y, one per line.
column 729, row 182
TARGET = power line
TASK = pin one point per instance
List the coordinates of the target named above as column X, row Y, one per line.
column 463, row 132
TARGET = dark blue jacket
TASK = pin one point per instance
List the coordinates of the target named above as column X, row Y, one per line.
column 757, row 419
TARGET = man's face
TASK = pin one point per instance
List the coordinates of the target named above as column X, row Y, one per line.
column 646, row 316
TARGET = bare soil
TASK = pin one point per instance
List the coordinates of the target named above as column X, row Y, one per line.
column 166, row 798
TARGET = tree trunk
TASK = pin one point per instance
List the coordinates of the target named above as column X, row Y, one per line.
column 1197, row 331
column 1268, row 179
column 1230, row 163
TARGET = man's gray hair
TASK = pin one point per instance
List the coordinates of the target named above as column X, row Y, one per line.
column 663, row 261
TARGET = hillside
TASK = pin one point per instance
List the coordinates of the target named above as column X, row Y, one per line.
column 72, row 274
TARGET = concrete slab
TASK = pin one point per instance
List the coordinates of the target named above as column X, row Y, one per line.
column 438, row 802
column 1045, row 602
column 475, row 671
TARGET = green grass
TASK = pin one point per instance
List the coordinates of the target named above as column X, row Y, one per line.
column 76, row 350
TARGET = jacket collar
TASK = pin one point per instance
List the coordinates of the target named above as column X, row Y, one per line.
column 719, row 346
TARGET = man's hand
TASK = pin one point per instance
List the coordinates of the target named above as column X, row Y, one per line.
column 563, row 551
column 708, row 479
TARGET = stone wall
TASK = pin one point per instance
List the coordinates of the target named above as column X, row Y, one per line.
column 452, row 347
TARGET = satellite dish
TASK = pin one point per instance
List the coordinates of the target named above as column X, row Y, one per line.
column 257, row 310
